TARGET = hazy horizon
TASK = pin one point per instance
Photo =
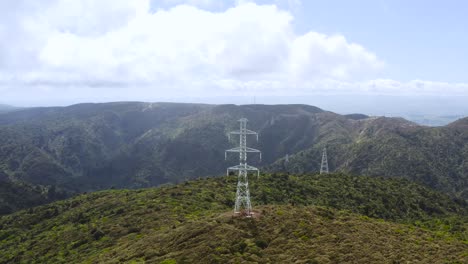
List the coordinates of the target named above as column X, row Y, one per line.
column 426, row 110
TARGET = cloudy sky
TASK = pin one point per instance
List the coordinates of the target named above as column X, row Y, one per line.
column 69, row 51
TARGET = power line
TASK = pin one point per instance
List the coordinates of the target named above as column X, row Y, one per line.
column 243, row 205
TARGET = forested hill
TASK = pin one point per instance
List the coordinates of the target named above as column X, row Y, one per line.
column 90, row 147
column 333, row 218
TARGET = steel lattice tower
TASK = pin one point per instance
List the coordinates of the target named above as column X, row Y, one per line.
column 324, row 166
column 243, row 204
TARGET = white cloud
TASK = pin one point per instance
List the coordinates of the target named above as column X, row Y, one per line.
column 90, row 17
column 197, row 3
column 315, row 54
column 293, row 5
column 83, row 45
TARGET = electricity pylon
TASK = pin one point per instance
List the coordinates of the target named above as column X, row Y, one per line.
column 324, row 166
column 243, row 204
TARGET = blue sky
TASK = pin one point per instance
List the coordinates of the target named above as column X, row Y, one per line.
column 417, row 39
column 71, row 51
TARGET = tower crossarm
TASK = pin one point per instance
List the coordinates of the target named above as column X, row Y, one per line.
column 240, row 150
column 241, row 167
column 252, row 150
column 242, row 132
column 247, row 132
column 247, row 149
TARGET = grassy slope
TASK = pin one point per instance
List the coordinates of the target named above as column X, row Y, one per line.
column 191, row 222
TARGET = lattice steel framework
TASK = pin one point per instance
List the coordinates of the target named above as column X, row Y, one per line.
column 324, row 166
column 243, row 205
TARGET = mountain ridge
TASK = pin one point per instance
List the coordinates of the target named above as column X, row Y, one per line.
column 89, row 147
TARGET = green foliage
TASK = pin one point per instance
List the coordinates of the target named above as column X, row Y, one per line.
column 295, row 222
column 19, row 195
column 375, row 197
column 89, row 147
column 169, row 261
column 390, row 147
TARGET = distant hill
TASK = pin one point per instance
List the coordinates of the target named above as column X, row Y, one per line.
column 89, row 147
column 7, row 108
column 357, row 116
column 299, row 219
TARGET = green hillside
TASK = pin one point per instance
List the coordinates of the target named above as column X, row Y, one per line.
column 88, row 147
column 15, row 196
column 299, row 219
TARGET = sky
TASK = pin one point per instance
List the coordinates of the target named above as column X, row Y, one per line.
column 59, row 52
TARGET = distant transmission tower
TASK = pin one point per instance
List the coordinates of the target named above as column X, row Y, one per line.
column 243, row 204
column 324, row 166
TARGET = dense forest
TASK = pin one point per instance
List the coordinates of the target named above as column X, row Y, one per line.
column 56, row 152
column 332, row 218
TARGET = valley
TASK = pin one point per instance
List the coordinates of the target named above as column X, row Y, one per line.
column 90, row 147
